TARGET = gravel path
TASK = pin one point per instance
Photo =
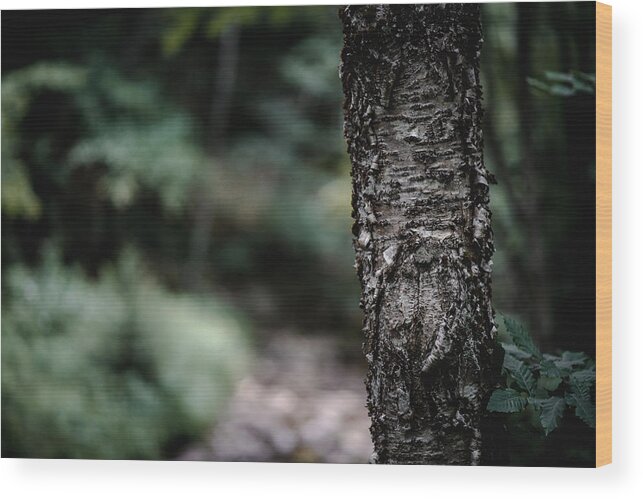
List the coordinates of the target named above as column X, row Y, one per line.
column 300, row 404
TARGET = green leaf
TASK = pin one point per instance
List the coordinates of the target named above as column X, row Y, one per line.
column 520, row 373
column 581, row 383
column 586, row 411
column 561, row 90
column 565, row 84
column 549, row 369
column 575, row 357
column 549, row 383
column 551, row 412
column 185, row 24
column 521, row 338
column 570, row 360
column 585, row 377
column 506, row 400
column 512, row 349
column 232, row 16
column 532, row 415
column 555, row 76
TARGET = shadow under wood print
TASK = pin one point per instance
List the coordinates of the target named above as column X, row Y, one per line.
column 374, row 233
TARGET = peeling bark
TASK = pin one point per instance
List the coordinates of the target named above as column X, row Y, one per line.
column 422, row 232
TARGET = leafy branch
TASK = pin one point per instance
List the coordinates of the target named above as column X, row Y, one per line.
column 550, row 385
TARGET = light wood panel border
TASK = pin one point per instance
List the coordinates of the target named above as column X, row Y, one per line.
column 603, row 234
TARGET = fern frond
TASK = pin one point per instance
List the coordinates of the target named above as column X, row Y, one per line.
column 520, row 373
column 506, row 400
column 521, row 338
column 551, row 412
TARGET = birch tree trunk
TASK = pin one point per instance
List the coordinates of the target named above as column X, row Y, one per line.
column 422, row 229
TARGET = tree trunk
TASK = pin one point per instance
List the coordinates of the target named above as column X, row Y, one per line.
column 422, row 228
column 225, row 80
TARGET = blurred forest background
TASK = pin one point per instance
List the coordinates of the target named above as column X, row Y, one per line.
column 177, row 268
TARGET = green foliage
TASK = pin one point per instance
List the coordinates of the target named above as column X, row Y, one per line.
column 18, row 197
column 116, row 368
column 544, row 384
column 507, row 400
column 536, row 85
column 565, row 84
column 185, row 23
column 580, row 397
column 292, row 174
column 551, row 413
column 521, row 345
column 119, row 131
column 153, row 158
column 520, row 373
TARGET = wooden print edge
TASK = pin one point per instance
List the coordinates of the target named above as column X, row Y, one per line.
column 603, row 234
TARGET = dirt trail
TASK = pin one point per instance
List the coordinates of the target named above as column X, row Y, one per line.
column 299, row 404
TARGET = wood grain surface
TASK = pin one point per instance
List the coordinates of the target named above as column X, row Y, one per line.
column 603, row 234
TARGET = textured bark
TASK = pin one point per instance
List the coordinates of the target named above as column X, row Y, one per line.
column 422, row 229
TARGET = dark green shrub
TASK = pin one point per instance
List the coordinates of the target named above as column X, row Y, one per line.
column 115, row 368
column 544, row 412
column 551, row 384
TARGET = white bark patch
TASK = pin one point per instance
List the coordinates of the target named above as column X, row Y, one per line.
column 390, row 253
